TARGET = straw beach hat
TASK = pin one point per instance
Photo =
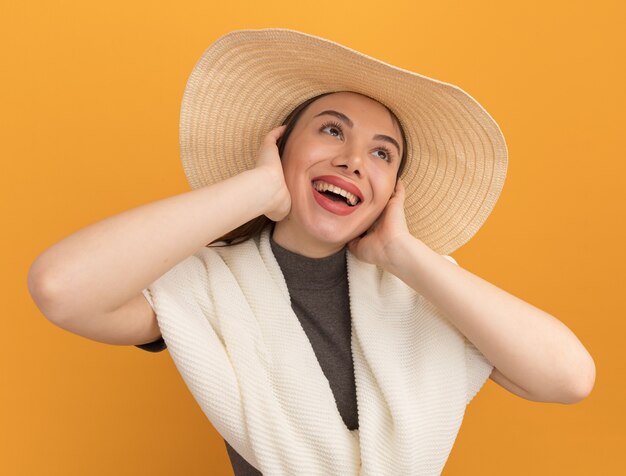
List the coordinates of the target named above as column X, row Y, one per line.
column 248, row 81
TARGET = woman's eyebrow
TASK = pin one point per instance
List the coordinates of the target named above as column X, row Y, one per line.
column 391, row 140
column 339, row 115
column 342, row 117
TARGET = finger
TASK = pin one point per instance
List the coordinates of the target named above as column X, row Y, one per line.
column 400, row 187
column 273, row 135
column 399, row 191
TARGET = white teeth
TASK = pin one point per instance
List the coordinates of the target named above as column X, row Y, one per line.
column 326, row 187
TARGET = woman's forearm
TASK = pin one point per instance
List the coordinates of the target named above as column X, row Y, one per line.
column 528, row 346
column 102, row 266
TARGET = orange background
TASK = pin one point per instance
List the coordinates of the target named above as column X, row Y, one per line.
column 89, row 103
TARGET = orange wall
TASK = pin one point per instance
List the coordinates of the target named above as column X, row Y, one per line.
column 89, row 100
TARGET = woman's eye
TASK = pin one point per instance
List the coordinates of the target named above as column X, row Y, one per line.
column 383, row 154
column 332, row 129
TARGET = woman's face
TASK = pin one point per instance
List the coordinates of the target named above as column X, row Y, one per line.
column 343, row 144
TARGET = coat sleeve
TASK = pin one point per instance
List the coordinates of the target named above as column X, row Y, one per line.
column 478, row 370
column 478, row 367
column 158, row 345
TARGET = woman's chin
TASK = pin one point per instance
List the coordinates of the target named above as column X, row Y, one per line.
column 313, row 240
column 332, row 234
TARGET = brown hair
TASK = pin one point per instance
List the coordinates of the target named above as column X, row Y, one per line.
column 256, row 225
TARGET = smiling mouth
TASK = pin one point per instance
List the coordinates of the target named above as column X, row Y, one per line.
column 335, row 193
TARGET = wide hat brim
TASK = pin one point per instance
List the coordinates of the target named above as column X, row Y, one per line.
column 248, row 81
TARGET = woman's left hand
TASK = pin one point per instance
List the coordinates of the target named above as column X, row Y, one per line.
column 378, row 245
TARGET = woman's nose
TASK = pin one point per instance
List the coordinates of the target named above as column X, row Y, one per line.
column 350, row 160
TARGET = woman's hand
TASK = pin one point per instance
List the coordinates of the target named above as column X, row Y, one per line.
column 380, row 242
column 279, row 202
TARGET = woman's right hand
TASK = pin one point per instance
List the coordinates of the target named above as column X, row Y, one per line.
column 268, row 161
column 84, row 284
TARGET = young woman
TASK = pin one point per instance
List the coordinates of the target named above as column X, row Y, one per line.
column 324, row 330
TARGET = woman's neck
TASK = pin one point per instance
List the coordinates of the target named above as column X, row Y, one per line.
column 304, row 244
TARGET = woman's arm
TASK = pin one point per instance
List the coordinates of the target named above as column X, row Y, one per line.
column 535, row 355
column 101, row 267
